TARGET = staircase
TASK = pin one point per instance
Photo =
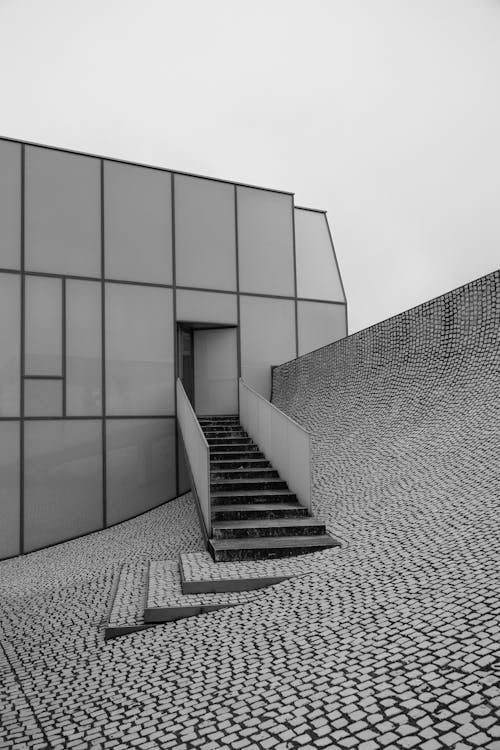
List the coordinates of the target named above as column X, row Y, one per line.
column 254, row 513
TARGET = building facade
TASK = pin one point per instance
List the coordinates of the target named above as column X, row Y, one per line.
column 115, row 278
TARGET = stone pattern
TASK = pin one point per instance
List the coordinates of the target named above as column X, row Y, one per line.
column 393, row 644
column 199, row 566
column 165, row 590
column 130, row 595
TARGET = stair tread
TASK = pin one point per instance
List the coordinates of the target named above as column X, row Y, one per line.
column 257, row 507
column 248, row 480
column 274, row 542
column 266, row 523
column 243, row 493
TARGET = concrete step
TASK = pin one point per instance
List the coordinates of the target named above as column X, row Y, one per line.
column 257, row 511
column 223, row 485
column 237, row 497
column 233, row 447
column 257, row 472
column 126, row 612
column 228, row 440
column 267, row 527
column 226, row 550
column 222, row 429
column 220, row 419
column 244, row 463
column 247, row 452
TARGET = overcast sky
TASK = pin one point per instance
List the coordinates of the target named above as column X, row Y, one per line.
column 386, row 113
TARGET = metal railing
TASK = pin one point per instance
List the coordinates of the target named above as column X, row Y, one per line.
column 285, row 443
column 197, row 453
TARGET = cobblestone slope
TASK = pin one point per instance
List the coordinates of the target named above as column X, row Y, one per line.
column 392, row 645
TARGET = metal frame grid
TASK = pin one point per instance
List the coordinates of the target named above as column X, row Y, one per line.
column 103, row 280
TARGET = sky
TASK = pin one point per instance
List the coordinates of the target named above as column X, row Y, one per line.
column 385, row 113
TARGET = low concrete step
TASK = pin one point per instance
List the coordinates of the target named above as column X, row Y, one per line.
column 225, row 550
column 248, row 473
column 238, row 446
column 222, row 485
column 245, row 452
column 229, row 440
column 243, row 463
column 258, row 510
column 218, row 418
column 126, row 612
column 209, row 429
column 233, row 497
column 267, row 527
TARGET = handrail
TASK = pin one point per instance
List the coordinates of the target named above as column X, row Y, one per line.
column 283, row 441
column 197, row 454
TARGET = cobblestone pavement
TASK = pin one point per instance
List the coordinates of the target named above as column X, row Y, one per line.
column 393, row 644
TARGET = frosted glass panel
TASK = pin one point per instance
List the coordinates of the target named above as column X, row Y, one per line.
column 43, row 326
column 319, row 325
column 317, row 272
column 216, row 371
column 137, row 223
column 206, row 307
column 10, row 204
column 140, row 465
column 267, row 338
column 265, row 242
column 63, row 212
column 9, row 489
column 43, row 398
column 205, row 243
column 62, row 481
column 83, row 348
column 10, row 331
column 139, row 350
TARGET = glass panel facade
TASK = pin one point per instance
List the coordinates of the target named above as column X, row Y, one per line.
column 9, row 489
column 10, row 204
column 10, row 335
column 83, row 348
column 267, row 338
column 43, row 326
column 43, row 398
column 206, row 307
column 63, row 480
column 62, row 212
column 205, row 240
column 317, row 273
column 265, row 242
column 140, row 465
column 137, row 223
column 319, row 324
column 139, row 350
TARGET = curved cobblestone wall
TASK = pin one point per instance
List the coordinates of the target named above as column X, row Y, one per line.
column 406, row 411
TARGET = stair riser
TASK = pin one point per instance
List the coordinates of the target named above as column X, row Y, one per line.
column 219, row 420
column 239, row 447
column 243, row 464
column 247, row 484
column 243, row 474
column 252, row 452
column 273, row 532
column 222, row 429
column 256, row 515
column 229, row 555
column 253, row 498
column 223, row 437
column 241, row 439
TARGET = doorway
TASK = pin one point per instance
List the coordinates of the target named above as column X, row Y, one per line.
column 208, row 367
